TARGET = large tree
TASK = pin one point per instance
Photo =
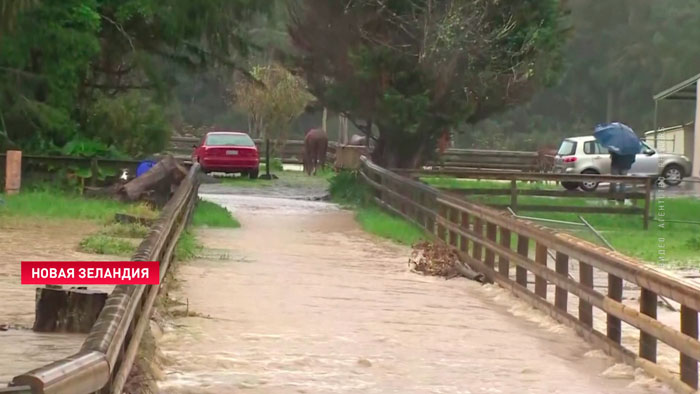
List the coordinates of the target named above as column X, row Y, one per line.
column 415, row 68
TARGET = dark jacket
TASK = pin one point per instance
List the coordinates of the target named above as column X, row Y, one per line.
column 623, row 162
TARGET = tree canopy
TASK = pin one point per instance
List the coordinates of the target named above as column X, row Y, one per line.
column 65, row 61
column 417, row 68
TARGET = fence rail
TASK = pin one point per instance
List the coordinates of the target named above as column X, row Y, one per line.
column 643, row 192
column 108, row 353
column 501, row 247
column 488, row 159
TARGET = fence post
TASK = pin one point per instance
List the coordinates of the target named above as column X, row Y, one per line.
column 523, row 249
column 13, row 171
column 647, row 202
column 540, row 282
column 479, row 231
column 503, row 262
column 490, row 258
column 561, row 296
column 689, row 327
column 613, row 323
column 585, row 309
column 514, row 195
column 463, row 242
column 94, row 172
column 647, row 343
column 453, row 215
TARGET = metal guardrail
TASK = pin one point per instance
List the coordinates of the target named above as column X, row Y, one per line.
column 641, row 190
column 108, row 353
column 483, row 237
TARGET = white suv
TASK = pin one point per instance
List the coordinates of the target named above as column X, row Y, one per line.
column 584, row 155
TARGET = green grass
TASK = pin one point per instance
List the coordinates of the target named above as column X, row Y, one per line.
column 346, row 190
column 103, row 244
column 378, row 222
column 212, row 215
column 59, row 205
column 625, row 232
column 123, row 230
column 188, row 247
column 455, row 183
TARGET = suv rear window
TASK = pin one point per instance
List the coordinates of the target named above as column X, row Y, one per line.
column 229, row 139
column 567, row 148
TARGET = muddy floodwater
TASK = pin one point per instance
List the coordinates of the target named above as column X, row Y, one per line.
column 300, row 300
column 20, row 348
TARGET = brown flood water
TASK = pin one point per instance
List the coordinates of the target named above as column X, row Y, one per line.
column 300, row 300
column 20, row 348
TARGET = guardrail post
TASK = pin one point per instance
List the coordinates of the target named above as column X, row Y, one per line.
column 585, row 309
column 561, row 296
column 503, row 262
column 463, row 241
column 523, row 250
column 689, row 327
column 540, row 282
column 647, row 202
column 647, row 343
column 490, row 258
column 614, row 292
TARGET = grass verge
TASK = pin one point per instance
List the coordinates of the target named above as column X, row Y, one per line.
column 666, row 243
column 346, row 190
column 208, row 214
column 103, row 244
column 56, row 204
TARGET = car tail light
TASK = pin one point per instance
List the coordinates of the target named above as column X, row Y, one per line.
column 569, row 159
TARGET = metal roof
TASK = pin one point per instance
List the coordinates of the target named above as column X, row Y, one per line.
column 686, row 90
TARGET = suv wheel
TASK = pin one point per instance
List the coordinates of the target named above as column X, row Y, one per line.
column 672, row 175
column 589, row 186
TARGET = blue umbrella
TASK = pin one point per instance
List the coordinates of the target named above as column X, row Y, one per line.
column 618, row 138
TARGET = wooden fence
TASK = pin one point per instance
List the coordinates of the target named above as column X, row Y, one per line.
column 488, row 159
column 500, row 246
column 291, row 153
column 639, row 190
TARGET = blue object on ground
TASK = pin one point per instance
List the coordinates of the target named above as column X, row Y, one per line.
column 618, row 138
column 144, row 166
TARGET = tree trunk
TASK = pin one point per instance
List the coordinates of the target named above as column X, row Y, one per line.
column 74, row 310
column 160, row 178
column 324, row 120
column 401, row 151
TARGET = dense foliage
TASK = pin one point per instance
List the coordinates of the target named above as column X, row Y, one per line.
column 105, row 69
column 417, row 68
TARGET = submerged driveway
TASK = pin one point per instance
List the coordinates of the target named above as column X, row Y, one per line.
column 300, row 300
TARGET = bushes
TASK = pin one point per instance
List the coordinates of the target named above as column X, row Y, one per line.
column 132, row 123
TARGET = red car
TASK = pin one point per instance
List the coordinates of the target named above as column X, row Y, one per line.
column 229, row 152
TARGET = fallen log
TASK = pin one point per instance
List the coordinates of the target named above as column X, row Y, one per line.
column 67, row 310
column 158, row 182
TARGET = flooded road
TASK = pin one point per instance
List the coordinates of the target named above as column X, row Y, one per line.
column 20, row 348
column 300, row 300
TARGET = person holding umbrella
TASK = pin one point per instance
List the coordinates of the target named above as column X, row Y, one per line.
column 623, row 145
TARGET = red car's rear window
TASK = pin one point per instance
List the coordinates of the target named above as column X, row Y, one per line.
column 229, row 139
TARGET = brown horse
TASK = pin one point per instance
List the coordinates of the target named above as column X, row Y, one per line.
column 545, row 158
column 315, row 148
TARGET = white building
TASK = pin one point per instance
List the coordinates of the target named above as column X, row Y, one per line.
column 676, row 139
column 688, row 90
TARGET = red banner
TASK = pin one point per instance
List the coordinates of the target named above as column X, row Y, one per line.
column 90, row 272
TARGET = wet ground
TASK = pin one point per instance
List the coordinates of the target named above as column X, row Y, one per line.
column 300, row 300
column 20, row 348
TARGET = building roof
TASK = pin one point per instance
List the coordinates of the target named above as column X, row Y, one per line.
column 686, row 90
